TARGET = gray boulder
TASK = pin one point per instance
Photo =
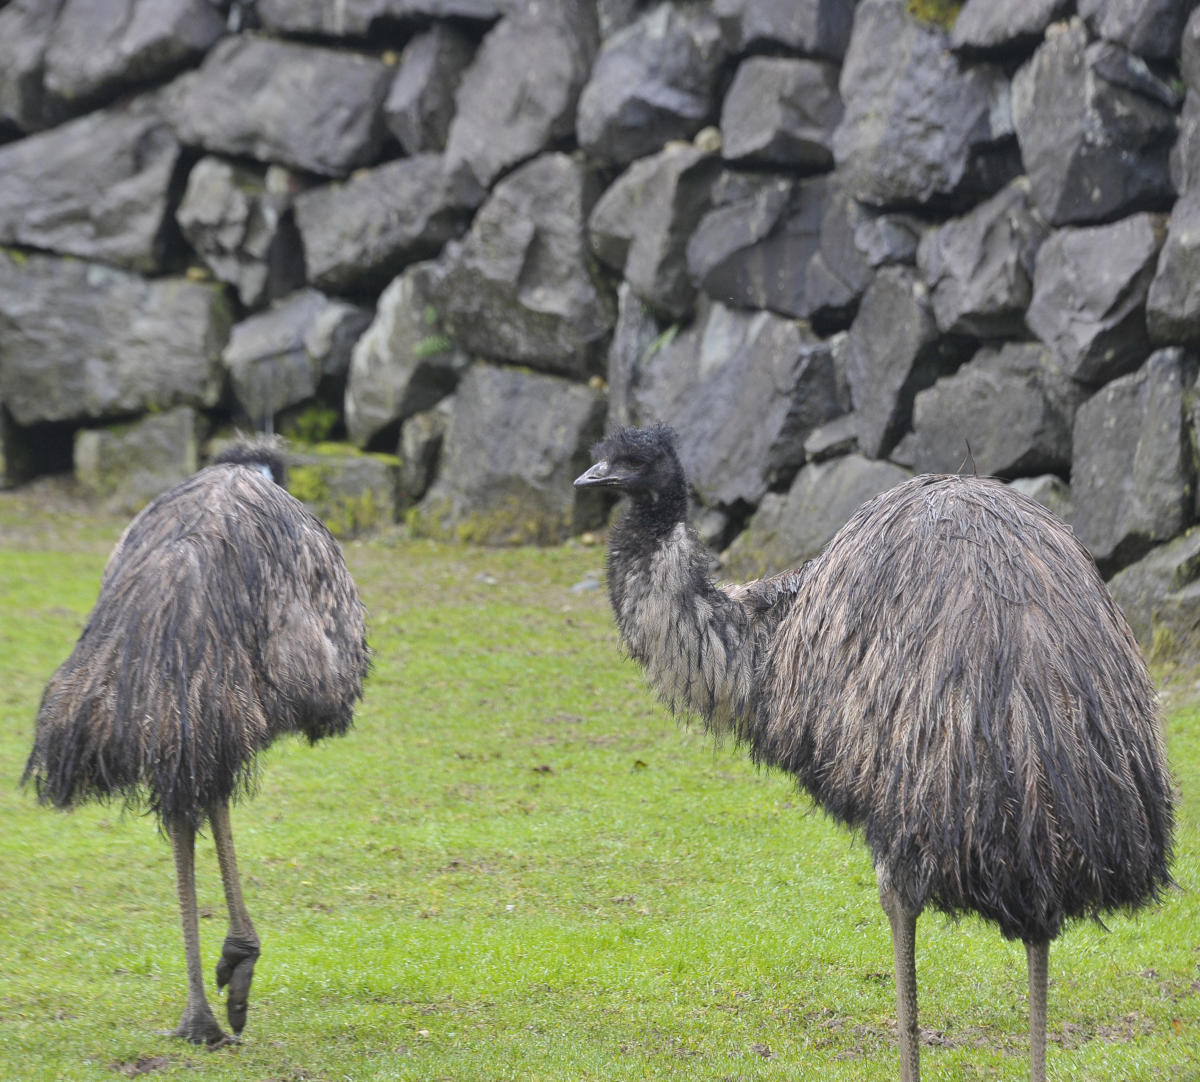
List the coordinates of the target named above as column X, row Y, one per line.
column 894, row 350
column 420, row 103
column 918, row 126
column 652, row 81
column 788, row 529
column 126, row 466
column 1050, row 491
column 641, row 224
column 1131, row 493
column 507, row 112
column 1089, row 295
column 359, row 233
column 1173, row 301
column 235, row 217
column 275, row 101
column 404, row 363
column 1142, row 586
column 97, row 187
column 636, row 336
column 813, row 27
column 744, row 390
column 352, row 493
column 985, row 26
column 1006, row 412
column 84, row 341
column 1149, row 28
column 980, row 267
column 420, row 450
column 101, row 46
column 25, row 28
column 280, row 357
column 515, row 443
column 754, row 247
column 780, row 111
column 1094, row 126
column 520, row 286
column 358, row 18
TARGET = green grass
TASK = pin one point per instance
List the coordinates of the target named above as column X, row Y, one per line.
column 518, row 867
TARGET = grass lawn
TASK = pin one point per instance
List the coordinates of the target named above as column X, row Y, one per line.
column 518, row 867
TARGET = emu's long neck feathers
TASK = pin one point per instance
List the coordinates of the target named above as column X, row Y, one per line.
column 700, row 646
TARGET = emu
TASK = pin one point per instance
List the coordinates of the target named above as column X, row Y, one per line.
column 226, row 617
column 949, row 678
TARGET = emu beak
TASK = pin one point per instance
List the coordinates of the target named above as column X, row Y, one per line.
column 600, row 474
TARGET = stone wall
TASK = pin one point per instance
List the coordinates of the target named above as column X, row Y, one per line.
column 831, row 243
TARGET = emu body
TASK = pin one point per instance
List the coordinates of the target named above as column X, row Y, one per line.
column 226, row 617
column 949, row 677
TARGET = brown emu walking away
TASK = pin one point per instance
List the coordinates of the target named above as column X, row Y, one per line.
column 226, row 617
column 950, row 677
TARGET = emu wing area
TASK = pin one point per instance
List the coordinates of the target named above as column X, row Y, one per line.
column 955, row 680
column 226, row 616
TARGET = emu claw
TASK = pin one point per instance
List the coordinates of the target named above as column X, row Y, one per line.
column 236, row 969
column 200, row 1028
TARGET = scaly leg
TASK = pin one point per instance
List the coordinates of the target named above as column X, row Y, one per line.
column 1038, row 957
column 241, row 947
column 904, row 941
column 198, row 1023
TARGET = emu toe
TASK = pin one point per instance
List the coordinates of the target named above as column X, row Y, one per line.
column 200, row 1027
column 236, row 969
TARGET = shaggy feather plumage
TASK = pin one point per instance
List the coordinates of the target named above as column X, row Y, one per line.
column 950, row 677
column 226, row 617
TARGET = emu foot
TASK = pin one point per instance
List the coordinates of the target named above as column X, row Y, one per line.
column 200, row 1027
column 236, row 969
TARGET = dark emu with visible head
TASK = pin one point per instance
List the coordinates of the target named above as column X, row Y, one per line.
column 950, row 677
column 226, row 617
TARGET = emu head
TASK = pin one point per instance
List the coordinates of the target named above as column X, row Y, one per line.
column 640, row 462
column 264, row 453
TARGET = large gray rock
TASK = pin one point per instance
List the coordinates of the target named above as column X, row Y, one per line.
column 97, row 187
column 404, row 363
column 791, row 528
column 507, row 112
column 918, row 126
column 1132, row 469
column 1149, row 28
column 298, row 105
column 1007, row 412
column 101, row 46
column 1173, row 301
column 353, row 494
column 1094, row 126
column 813, row 27
column 754, row 247
column 780, row 111
column 894, row 350
column 980, row 266
column 520, row 286
column 636, row 335
column 25, row 28
column 420, row 103
column 640, row 226
column 420, row 449
column 515, row 442
column 236, row 219
column 280, row 357
column 743, row 390
column 358, row 18
column 985, row 26
column 86, row 341
column 652, row 81
column 1166, row 569
column 126, row 466
column 360, row 232
column 1089, row 295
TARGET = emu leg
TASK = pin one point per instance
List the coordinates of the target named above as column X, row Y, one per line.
column 241, row 947
column 904, row 942
column 198, row 1023
column 1038, row 957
